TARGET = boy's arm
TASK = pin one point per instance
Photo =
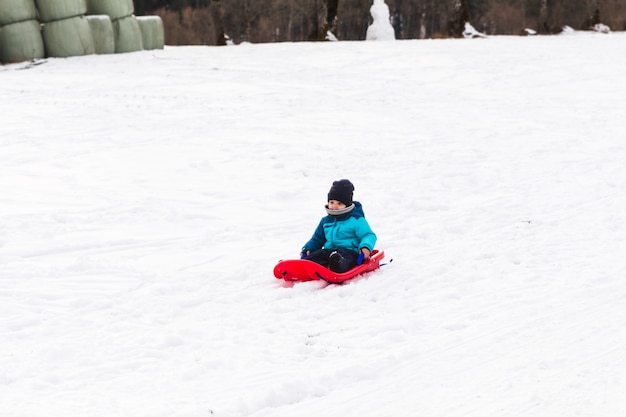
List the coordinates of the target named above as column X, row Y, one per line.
column 317, row 240
column 366, row 235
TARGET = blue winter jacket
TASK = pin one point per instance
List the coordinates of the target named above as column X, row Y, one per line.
column 349, row 231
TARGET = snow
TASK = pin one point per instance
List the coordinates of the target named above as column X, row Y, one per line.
column 380, row 29
column 146, row 198
column 602, row 28
column 470, row 32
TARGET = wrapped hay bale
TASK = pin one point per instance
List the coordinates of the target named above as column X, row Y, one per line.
column 51, row 10
column 21, row 41
column 127, row 35
column 68, row 37
column 115, row 9
column 13, row 11
column 102, row 33
column 152, row 33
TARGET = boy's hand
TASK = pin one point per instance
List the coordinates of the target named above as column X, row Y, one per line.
column 304, row 254
column 363, row 256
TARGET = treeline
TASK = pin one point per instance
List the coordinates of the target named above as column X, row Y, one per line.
column 214, row 22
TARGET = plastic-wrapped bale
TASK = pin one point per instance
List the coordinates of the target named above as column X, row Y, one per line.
column 127, row 35
column 152, row 32
column 115, row 9
column 51, row 10
column 13, row 11
column 68, row 37
column 21, row 41
column 102, row 33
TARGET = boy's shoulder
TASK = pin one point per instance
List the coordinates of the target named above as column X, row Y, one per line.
column 358, row 210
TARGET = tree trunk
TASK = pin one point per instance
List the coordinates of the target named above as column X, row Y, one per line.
column 593, row 13
column 459, row 15
column 543, row 17
column 422, row 33
column 330, row 20
column 140, row 7
column 218, row 25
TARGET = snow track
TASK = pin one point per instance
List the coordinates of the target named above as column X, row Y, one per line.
column 146, row 197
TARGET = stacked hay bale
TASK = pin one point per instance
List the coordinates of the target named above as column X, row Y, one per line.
column 66, row 31
column 126, row 32
column 20, row 32
column 152, row 32
column 102, row 32
column 74, row 28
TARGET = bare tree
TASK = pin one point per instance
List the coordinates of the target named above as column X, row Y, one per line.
column 207, row 21
column 217, row 15
column 329, row 22
column 140, row 7
column 593, row 14
column 458, row 15
column 614, row 13
column 543, row 16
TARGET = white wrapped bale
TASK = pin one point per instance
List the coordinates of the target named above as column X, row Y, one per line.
column 115, row 9
column 51, row 10
column 127, row 35
column 68, row 37
column 152, row 33
column 21, row 41
column 102, row 33
column 13, row 11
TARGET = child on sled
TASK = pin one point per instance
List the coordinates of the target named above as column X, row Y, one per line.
column 343, row 237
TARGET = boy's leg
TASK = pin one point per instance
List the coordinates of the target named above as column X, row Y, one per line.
column 320, row 256
column 345, row 262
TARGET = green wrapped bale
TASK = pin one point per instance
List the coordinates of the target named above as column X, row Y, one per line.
column 127, row 35
column 102, row 33
column 152, row 33
column 68, row 37
column 21, row 41
column 51, row 10
column 13, row 11
column 115, row 9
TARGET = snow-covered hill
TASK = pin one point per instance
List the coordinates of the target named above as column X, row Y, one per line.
column 145, row 198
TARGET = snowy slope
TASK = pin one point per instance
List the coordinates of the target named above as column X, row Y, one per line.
column 145, row 198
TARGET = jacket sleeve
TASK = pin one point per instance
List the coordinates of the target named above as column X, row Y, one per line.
column 318, row 239
column 365, row 234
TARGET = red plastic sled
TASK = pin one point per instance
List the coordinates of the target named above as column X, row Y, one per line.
column 303, row 270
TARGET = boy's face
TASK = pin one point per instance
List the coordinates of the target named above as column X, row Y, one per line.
column 336, row 205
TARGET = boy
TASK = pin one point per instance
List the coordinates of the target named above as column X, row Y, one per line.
column 343, row 234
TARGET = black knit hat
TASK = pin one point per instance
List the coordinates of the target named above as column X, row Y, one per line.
column 341, row 191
